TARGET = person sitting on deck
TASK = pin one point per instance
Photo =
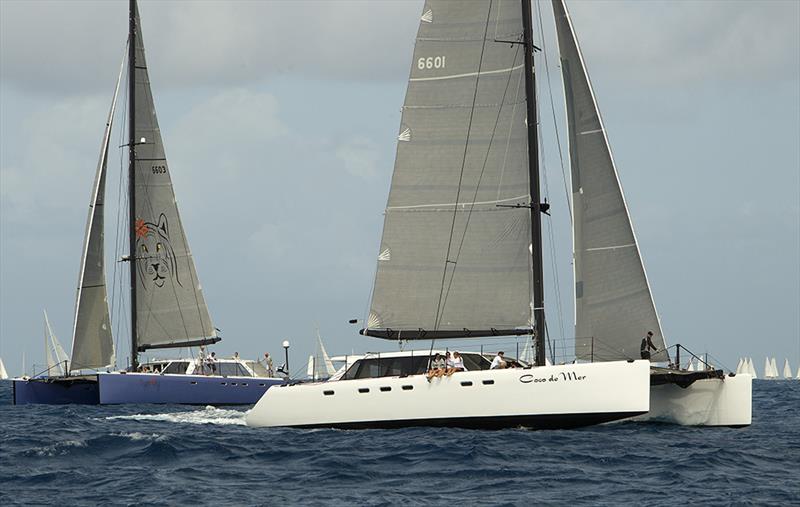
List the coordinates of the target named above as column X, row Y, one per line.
column 448, row 364
column 499, row 361
column 457, row 364
column 437, row 367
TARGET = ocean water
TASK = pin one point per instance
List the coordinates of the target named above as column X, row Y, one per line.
column 174, row 455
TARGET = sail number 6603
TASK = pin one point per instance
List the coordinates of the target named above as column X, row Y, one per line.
column 431, row 62
column 159, row 169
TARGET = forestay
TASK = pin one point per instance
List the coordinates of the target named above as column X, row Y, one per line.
column 613, row 303
column 451, row 262
column 92, row 343
column 171, row 309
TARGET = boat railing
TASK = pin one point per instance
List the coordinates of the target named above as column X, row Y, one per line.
column 46, row 372
column 691, row 356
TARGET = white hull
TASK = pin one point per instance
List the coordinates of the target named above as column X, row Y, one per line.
column 559, row 396
column 707, row 402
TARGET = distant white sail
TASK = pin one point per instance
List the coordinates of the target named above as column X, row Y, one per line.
column 320, row 365
column 774, row 365
column 56, row 357
column 739, row 366
column 787, row 370
column 528, row 353
column 3, row 372
column 691, row 365
column 751, row 368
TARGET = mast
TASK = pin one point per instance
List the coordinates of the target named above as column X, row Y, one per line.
column 132, row 174
column 536, row 206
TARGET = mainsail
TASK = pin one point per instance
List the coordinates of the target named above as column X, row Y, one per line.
column 92, row 343
column 614, row 307
column 455, row 255
column 170, row 308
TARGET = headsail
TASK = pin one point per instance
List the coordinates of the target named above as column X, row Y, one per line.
column 170, row 308
column 92, row 343
column 614, row 307
column 453, row 263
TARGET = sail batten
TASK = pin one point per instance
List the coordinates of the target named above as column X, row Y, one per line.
column 462, row 151
column 614, row 307
column 170, row 307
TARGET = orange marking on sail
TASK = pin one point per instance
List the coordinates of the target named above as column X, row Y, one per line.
column 141, row 228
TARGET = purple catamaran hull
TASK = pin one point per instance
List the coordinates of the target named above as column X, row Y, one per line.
column 131, row 388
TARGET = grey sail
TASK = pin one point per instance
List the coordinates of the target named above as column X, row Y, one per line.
column 170, row 308
column 613, row 304
column 455, row 256
column 92, row 343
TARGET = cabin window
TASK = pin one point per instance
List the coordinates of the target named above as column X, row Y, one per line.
column 387, row 367
column 408, row 388
column 386, row 389
column 363, row 389
column 232, row 370
column 176, row 368
column 327, row 393
column 488, row 382
column 466, row 383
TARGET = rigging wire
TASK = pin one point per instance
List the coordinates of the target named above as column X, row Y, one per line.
column 117, row 282
column 553, row 110
column 480, row 176
column 551, row 236
column 439, row 309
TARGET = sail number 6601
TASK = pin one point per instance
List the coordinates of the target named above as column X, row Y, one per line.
column 431, row 62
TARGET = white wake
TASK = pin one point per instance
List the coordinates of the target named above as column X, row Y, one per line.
column 208, row 415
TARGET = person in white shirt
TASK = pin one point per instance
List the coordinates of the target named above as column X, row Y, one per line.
column 499, row 361
column 457, row 363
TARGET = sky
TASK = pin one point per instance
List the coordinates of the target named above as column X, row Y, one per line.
column 280, row 120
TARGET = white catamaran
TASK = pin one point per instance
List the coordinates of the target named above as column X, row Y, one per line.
column 461, row 252
column 461, row 255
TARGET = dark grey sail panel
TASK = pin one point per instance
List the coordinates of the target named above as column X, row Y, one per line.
column 614, row 306
column 171, row 309
column 451, row 261
column 92, row 342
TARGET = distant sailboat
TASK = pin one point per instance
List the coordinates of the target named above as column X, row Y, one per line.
column 787, row 370
column 3, row 372
column 320, row 365
column 57, row 359
column 750, row 368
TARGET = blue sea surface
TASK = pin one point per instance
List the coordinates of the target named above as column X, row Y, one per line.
column 174, row 455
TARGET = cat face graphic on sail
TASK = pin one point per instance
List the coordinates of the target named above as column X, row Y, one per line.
column 155, row 257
